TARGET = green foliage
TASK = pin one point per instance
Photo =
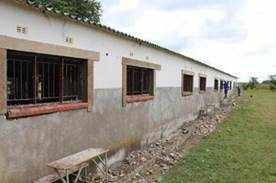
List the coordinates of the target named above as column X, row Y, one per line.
column 241, row 150
column 89, row 10
column 273, row 83
column 253, row 82
column 245, row 86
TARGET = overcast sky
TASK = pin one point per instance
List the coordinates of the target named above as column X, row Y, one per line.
column 237, row 36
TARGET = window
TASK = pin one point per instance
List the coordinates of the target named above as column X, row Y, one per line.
column 37, row 78
column 230, row 85
column 140, row 81
column 221, row 84
column 188, row 84
column 216, row 85
column 202, row 83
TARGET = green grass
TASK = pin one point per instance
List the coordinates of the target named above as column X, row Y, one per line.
column 243, row 149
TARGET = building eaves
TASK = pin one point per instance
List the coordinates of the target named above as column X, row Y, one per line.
column 98, row 26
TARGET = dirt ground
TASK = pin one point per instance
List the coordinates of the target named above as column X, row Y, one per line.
column 148, row 164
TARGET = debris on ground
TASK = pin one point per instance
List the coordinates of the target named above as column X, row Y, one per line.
column 148, row 164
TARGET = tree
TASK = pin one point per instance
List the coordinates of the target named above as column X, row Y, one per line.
column 87, row 10
column 273, row 82
column 253, row 82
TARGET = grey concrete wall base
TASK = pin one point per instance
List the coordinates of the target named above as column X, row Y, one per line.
column 27, row 145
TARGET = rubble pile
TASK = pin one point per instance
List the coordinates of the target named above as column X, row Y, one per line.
column 147, row 164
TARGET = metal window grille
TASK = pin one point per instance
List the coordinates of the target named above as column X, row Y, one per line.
column 202, row 84
column 221, row 84
column 216, row 87
column 37, row 78
column 140, row 81
column 188, row 83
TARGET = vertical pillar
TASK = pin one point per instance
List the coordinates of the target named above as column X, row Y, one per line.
column 124, row 83
column 3, row 81
column 90, row 84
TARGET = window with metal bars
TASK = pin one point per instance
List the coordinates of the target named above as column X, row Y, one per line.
column 37, row 78
column 216, row 85
column 140, row 81
column 202, row 84
column 188, row 83
column 221, row 85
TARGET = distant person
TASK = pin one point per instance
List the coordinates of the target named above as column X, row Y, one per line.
column 239, row 91
column 226, row 88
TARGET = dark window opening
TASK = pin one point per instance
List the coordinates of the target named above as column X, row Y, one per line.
column 188, row 83
column 202, row 84
column 140, row 81
column 230, row 85
column 221, row 84
column 216, row 85
column 37, row 78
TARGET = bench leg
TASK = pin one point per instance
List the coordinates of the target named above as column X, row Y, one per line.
column 61, row 177
column 78, row 175
column 67, row 177
column 106, row 169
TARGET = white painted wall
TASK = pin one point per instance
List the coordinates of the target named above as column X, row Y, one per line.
column 108, row 71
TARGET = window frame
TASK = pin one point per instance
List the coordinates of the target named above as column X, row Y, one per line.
column 36, row 109
column 41, row 78
column 188, row 73
column 205, row 88
column 128, row 62
column 218, row 85
column 221, row 85
column 18, row 44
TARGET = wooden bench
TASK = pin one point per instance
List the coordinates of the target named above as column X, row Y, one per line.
column 76, row 163
column 55, row 177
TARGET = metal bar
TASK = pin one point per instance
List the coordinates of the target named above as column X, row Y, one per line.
column 48, row 75
column 35, row 79
column 14, row 80
column 61, row 81
column 54, row 80
column 133, row 82
column 21, row 80
column 142, row 80
column 43, row 81
column 27, row 80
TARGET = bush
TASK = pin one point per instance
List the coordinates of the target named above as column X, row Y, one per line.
column 273, row 87
column 273, row 83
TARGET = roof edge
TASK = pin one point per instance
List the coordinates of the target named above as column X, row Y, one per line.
column 106, row 29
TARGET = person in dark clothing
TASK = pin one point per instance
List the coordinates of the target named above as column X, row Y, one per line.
column 239, row 91
column 226, row 88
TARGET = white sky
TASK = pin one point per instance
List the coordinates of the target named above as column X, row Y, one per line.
column 237, row 36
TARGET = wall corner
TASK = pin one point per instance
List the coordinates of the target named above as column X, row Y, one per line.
column 3, row 82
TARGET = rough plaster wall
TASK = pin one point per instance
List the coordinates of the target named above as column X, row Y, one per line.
column 27, row 145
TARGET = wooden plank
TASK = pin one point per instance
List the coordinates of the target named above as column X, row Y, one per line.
column 74, row 160
column 55, row 177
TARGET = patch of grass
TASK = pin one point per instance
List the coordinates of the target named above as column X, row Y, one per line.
column 243, row 149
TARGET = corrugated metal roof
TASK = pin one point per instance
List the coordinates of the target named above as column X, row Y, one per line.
column 56, row 12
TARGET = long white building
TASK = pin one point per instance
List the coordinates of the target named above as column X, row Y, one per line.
column 67, row 85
